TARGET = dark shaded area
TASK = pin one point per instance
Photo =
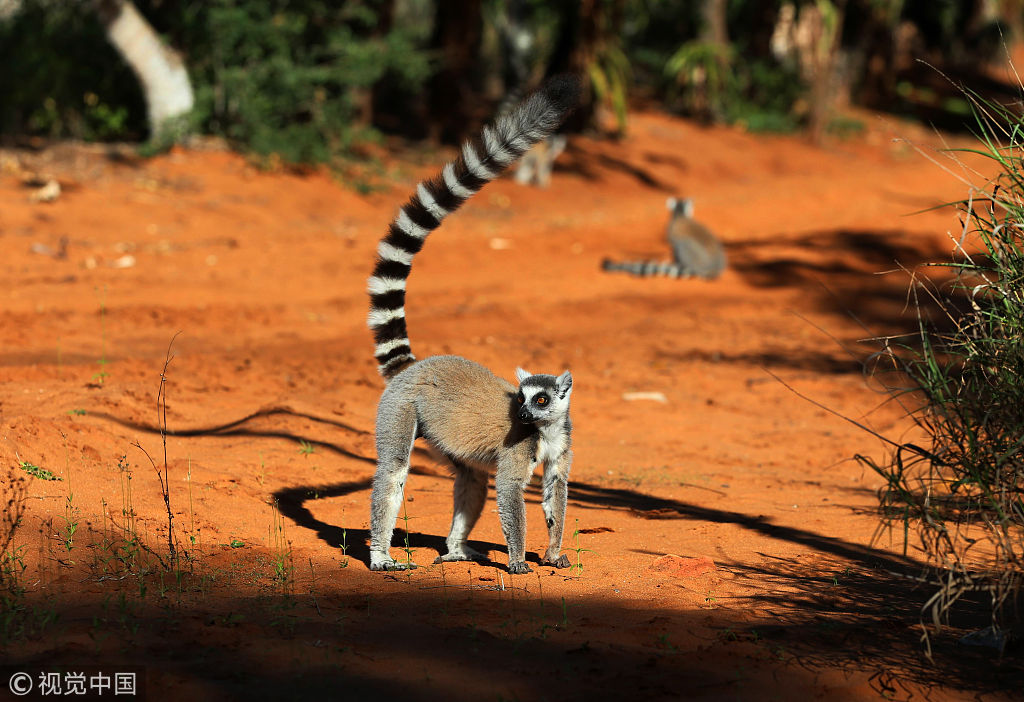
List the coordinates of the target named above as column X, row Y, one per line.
column 387, row 643
column 834, row 267
column 354, row 634
column 453, row 99
column 830, row 605
column 838, row 251
column 812, row 361
column 590, row 165
column 937, row 95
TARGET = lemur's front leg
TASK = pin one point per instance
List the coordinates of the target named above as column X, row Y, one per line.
column 556, row 493
column 509, row 482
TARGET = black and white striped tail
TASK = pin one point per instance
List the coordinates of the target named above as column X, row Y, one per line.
column 648, row 268
column 482, row 160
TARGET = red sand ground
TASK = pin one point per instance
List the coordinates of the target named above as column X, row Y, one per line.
column 724, row 534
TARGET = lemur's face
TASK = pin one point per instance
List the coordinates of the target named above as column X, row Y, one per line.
column 680, row 208
column 542, row 398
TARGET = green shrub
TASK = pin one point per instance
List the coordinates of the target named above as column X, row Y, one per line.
column 276, row 77
column 962, row 495
column 284, row 77
column 715, row 82
column 62, row 78
column 704, row 72
column 766, row 97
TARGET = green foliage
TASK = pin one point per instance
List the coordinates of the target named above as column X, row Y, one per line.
column 736, row 83
column 14, row 615
column 961, row 494
column 299, row 81
column 610, row 76
column 705, row 68
column 285, row 78
column 714, row 82
column 766, row 98
column 62, row 78
column 278, row 78
column 284, row 565
column 37, row 472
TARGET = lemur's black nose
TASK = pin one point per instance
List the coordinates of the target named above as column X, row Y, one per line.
column 523, row 415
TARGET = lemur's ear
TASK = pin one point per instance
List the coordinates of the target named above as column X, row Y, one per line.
column 564, row 383
column 522, row 375
column 671, row 203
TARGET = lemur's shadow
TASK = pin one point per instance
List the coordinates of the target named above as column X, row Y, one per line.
column 291, row 502
column 583, row 495
column 237, row 428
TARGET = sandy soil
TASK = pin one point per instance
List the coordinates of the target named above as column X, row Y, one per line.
column 724, row 535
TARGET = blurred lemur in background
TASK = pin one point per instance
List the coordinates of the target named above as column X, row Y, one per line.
column 696, row 251
column 536, row 165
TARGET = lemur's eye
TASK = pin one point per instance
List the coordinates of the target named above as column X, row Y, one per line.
column 542, row 400
column 520, row 399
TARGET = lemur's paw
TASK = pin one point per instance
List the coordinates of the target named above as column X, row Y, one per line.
column 519, row 568
column 463, row 554
column 391, row 564
column 560, row 562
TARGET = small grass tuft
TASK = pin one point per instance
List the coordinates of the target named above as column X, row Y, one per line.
column 37, row 472
column 577, row 567
column 284, row 566
column 101, row 375
column 409, row 565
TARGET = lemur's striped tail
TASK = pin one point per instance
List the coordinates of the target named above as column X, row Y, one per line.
column 648, row 268
column 482, row 160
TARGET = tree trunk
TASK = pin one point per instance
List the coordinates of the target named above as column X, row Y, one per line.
column 715, row 30
column 365, row 98
column 811, row 36
column 575, row 51
column 160, row 70
column 827, row 35
column 716, row 33
column 518, row 44
column 878, row 52
column 458, row 32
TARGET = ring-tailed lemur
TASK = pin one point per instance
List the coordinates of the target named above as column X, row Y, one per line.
column 696, row 250
column 536, row 165
column 474, row 420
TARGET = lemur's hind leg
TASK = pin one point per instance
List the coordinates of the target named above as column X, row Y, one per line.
column 395, row 437
column 470, row 494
